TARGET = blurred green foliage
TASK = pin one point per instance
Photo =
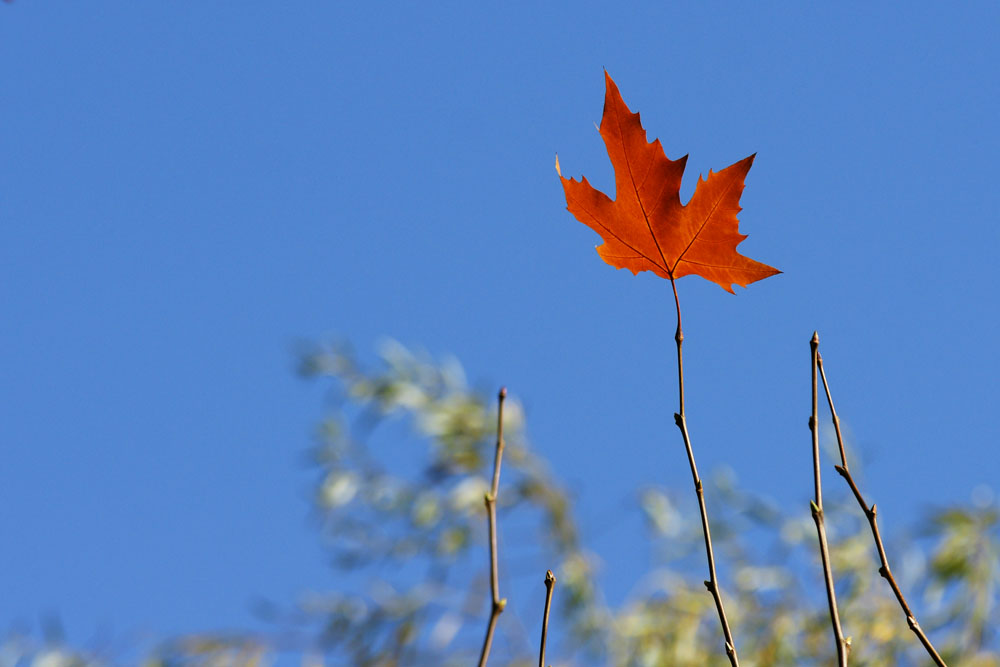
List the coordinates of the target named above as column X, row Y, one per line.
column 402, row 465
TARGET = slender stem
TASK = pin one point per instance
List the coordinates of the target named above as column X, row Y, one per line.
column 871, row 513
column 817, row 513
column 679, row 338
column 498, row 604
column 713, row 583
column 550, row 582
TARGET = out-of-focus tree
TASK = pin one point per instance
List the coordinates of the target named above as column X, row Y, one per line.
column 403, row 462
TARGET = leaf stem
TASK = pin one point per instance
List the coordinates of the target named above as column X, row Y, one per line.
column 817, row 513
column 550, row 582
column 498, row 604
column 870, row 513
column 679, row 418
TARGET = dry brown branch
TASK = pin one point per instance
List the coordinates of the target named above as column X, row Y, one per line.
column 498, row 604
column 550, row 582
column 817, row 513
column 713, row 583
column 871, row 512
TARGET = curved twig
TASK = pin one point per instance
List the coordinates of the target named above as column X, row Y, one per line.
column 713, row 583
column 870, row 513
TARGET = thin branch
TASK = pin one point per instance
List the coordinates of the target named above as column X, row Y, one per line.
column 498, row 604
column 713, row 583
column 871, row 512
column 817, row 513
column 550, row 582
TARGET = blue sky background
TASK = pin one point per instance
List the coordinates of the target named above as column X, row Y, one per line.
column 189, row 188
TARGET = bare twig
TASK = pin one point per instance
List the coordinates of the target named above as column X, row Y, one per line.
column 550, row 582
column 713, row 583
column 817, row 513
column 871, row 512
column 498, row 604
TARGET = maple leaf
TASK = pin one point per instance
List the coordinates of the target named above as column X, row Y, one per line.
column 646, row 228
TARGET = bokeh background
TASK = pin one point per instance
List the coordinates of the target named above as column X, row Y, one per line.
column 189, row 190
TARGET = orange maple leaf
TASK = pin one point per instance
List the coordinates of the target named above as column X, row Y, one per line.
column 646, row 228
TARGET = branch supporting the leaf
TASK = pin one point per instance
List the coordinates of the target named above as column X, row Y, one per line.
column 498, row 604
column 679, row 418
column 550, row 582
column 816, row 506
column 870, row 513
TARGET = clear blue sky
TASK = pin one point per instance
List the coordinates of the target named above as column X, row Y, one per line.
column 188, row 188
